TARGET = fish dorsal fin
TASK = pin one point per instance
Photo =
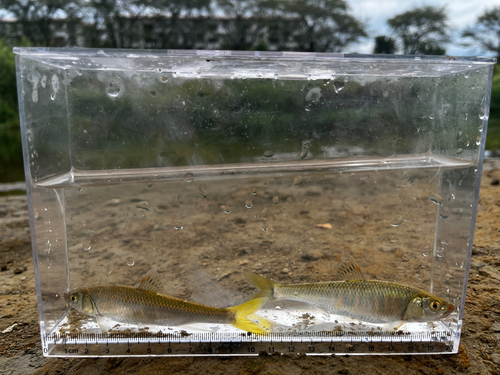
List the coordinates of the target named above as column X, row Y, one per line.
column 151, row 282
column 349, row 270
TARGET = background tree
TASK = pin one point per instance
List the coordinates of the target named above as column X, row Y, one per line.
column 324, row 25
column 184, row 22
column 384, row 44
column 35, row 17
column 421, row 29
column 486, row 31
column 242, row 23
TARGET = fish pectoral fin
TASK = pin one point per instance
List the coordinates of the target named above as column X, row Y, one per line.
column 394, row 326
column 349, row 270
column 152, row 282
column 104, row 323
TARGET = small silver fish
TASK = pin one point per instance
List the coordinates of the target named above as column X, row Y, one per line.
column 371, row 301
column 145, row 305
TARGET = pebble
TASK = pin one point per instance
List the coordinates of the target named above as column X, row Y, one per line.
column 242, row 252
column 308, row 257
column 19, row 270
column 495, row 327
column 112, row 203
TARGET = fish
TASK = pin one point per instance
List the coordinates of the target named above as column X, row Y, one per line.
column 372, row 301
column 147, row 305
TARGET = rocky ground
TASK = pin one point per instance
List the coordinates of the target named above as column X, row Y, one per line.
column 20, row 349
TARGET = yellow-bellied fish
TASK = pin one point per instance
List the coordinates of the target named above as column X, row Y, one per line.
column 146, row 305
column 366, row 300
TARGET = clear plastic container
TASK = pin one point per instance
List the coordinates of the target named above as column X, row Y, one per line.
column 205, row 165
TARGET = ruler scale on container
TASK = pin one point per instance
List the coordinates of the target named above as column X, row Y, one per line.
column 329, row 343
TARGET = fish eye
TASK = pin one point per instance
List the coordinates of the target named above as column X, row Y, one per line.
column 73, row 298
column 435, row 305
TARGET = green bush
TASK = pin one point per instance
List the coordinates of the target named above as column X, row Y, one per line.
column 493, row 137
column 11, row 158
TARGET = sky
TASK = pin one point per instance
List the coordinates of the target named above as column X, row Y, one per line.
column 461, row 13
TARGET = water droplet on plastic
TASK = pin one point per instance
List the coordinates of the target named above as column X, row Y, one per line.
column 444, row 212
column 431, row 117
column 80, row 189
column 397, row 224
column 478, row 141
column 268, row 153
column 459, row 151
column 178, row 226
column 86, row 245
column 297, row 180
column 150, row 184
column 425, row 254
column 264, row 228
column 276, row 199
column 276, row 76
column 47, row 248
column 153, row 93
column 36, row 215
column 78, row 72
column 256, row 216
column 248, row 204
column 130, row 261
column 203, row 190
column 303, row 154
column 143, row 205
column 113, row 90
column 254, row 191
column 226, row 209
column 437, row 199
column 338, row 87
column 188, row 177
column 144, row 217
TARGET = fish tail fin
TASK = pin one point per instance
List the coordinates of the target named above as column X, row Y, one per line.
column 265, row 286
column 244, row 312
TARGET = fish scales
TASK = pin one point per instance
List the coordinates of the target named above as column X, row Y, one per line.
column 371, row 301
column 137, row 306
column 147, row 305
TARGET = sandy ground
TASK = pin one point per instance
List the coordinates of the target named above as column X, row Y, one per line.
column 479, row 353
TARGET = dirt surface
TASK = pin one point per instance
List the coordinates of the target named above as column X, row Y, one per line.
column 20, row 349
